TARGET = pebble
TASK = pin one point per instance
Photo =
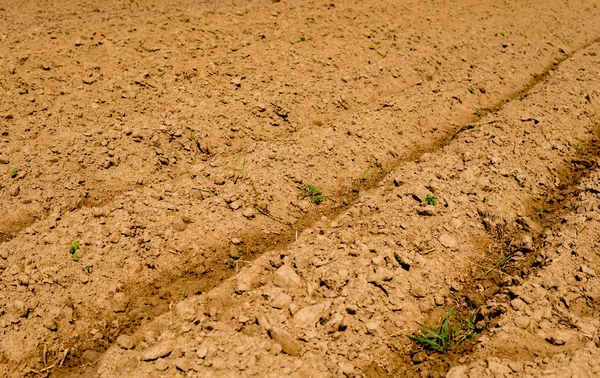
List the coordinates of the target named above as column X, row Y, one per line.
column 559, row 338
column 347, row 369
column 202, row 351
column 178, row 225
column 182, row 364
column 249, row 212
column 157, row 351
column 281, row 300
column 418, row 291
column 126, row 342
column 310, row 315
column 448, row 241
column 15, row 190
column 289, row 344
column 90, row 356
column 522, row 321
column 286, row 277
column 526, row 243
column 235, row 205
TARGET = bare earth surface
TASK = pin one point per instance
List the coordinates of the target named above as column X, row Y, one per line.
column 170, row 145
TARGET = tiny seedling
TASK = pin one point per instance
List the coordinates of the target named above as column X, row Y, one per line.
column 543, row 211
column 302, row 39
column 193, row 136
column 591, row 53
column 431, row 200
column 479, row 112
column 14, row 172
column 73, row 250
column 372, row 47
column 312, row 193
column 183, row 294
column 471, row 90
column 365, row 175
column 578, row 147
column 502, row 34
column 239, row 174
column 452, row 331
column 160, row 70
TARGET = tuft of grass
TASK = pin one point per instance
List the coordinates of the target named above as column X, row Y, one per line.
column 479, row 112
column 183, row 294
column 312, row 193
column 73, row 250
column 453, row 330
column 14, row 172
column 239, row 174
column 431, row 200
column 502, row 34
column 372, row 47
column 471, row 90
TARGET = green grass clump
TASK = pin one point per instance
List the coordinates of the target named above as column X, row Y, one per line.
column 312, row 193
column 14, row 172
column 452, row 331
column 73, row 250
column 431, row 200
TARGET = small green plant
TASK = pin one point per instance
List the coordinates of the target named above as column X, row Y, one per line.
column 452, row 331
column 479, row 112
column 372, row 47
column 73, row 250
column 365, row 175
column 14, row 172
column 502, row 34
column 471, row 90
column 312, row 193
column 578, row 147
column 193, row 137
column 239, row 173
column 302, row 39
column 431, row 200
column 160, row 70
column 541, row 213
column 183, row 294
column 591, row 53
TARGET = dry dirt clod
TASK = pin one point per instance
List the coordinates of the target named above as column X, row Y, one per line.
column 159, row 350
column 288, row 343
column 126, row 341
column 285, row 277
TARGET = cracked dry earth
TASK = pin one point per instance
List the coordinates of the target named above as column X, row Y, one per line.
column 170, row 139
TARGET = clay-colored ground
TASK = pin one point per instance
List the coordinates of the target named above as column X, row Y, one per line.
column 174, row 141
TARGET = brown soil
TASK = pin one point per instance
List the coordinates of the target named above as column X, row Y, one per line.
column 174, row 141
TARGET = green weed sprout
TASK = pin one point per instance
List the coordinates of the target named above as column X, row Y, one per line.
column 431, row 200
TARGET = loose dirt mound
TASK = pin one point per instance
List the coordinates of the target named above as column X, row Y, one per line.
column 286, row 188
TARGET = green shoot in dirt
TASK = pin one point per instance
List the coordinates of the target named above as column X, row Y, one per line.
column 14, row 172
column 183, row 294
column 452, row 331
column 73, row 250
column 479, row 112
column 499, row 264
column 431, row 200
column 372, row 47
column 502, row 34
column 365, row 175
column 591, row 53
column 239, row 173
column 543, row 211
column 471, row 90
column 312, row 193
